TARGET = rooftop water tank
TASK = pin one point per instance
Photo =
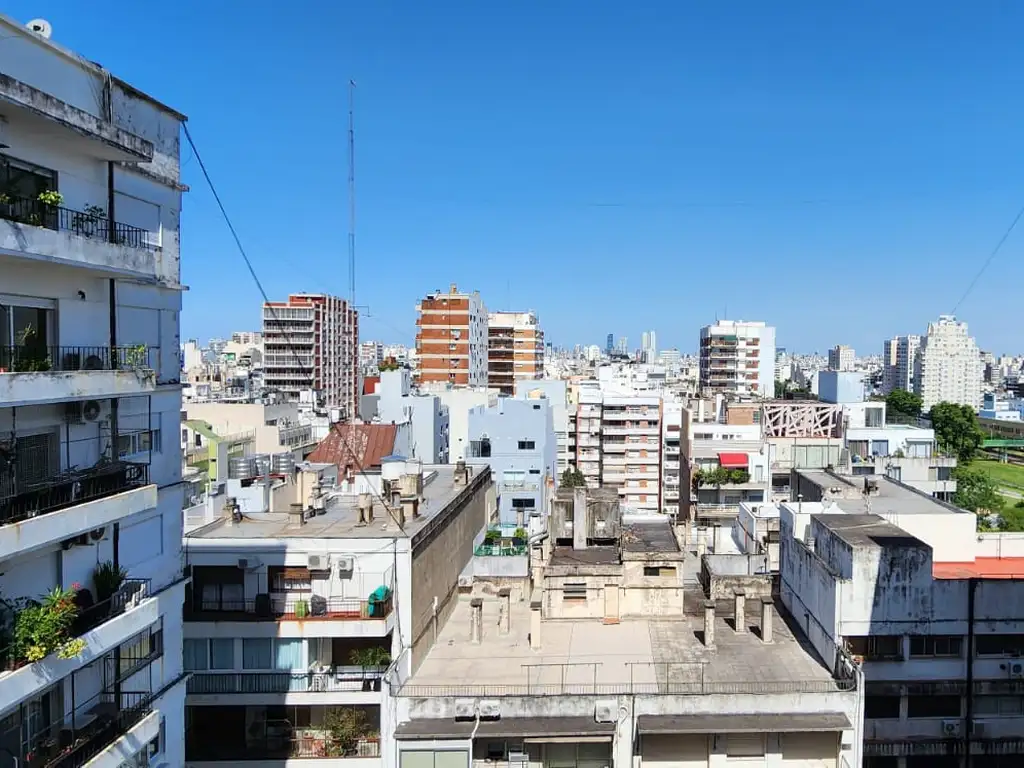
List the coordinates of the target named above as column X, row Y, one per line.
column 241, row 467
column 283, row 463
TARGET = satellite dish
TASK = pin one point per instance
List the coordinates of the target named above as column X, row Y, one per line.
column 41, row 27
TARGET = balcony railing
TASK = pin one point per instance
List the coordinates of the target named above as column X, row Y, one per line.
column 26, row 210
column 274, row 609
column 286, row 745
column 339, row 679
column 32, row 358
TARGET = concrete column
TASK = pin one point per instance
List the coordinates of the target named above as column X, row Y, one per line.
column 766, row 619
column 625, row 727
column 535, row 602
column 702, row 548
column 709, row 623
column 505, row 620
column 476, row 620
column 739, row 612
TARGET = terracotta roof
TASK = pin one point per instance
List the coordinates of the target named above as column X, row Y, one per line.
column 351, row 446
column 981, row 568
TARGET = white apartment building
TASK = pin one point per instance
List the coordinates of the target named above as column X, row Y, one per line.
column 737, row 358
column 556, row 392
column 841, row 358
column 672, row 490
column 898, row 360
column 948, row 365
column 294, row 617
column 90, row 401
column 311, row 341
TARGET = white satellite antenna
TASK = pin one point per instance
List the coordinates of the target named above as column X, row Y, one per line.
column 41, row 27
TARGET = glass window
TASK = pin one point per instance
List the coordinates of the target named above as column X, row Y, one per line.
column 288, row 654
column 257, row 653
column 222, row 653
column 196, row 655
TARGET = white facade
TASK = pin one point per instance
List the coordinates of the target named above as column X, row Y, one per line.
column 841, row 358
column 948, row 365
column 90, row 407
column 898, row 360
column 738, row 358
column 459, row 403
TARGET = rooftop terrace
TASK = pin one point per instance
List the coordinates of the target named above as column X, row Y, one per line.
column 635, row 656
column 891, row 497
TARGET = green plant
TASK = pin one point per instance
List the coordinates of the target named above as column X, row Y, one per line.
column 50, row 197
column 573, row 478
column 108, row 578
column 136, row 356
column 345, row 727
column 88, row 222
column 720, row 476
column 520, row 533
column 5, row 199
column 31, row 353
column 375, row 656
column 44, row 628
column 492, row 537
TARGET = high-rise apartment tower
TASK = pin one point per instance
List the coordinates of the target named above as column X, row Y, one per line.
column 451, row 338
column 515, row 349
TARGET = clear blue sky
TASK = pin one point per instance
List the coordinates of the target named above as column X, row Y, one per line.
column 839, row 170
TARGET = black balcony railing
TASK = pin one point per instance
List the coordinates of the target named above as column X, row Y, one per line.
column 26, row 210
column 285, row 744
column 267, row 608
column 352, row 678
column 29, row 358
column 65, row 489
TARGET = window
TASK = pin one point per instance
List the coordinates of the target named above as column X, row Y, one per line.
column 526, row 445
column 534, row 471
column 196, row 655
column 882, row 707
column 424, row 758
column 139, row 651
column 257, row 653
column 936, row 645
column 876, row 647
column 524, row 503
column 745, row 745
column 933, row 706
column 659, row 570
column 222, row 653
column 999, row 706
column 999, row 645
column 284, row 579
column 574, row 590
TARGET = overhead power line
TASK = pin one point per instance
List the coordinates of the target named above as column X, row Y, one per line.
column 991, row 256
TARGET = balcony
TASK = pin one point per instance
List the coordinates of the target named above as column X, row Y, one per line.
column 35, row 375
column 280, row 608
column 86, row 238
column 342, row 679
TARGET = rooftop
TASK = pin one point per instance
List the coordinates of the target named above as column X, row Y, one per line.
column 355, row 447
column 633, row 656
column 981, row 568
column 891, row 497
column 341, row 520
column 652, row 536
column 868, row 531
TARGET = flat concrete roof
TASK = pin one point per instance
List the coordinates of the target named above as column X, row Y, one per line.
column 513, row 727
column 868, row 531
column 341, row 520
column 891, row 497
column 790, row 722
column 634, row 656
column 593, row 555
column 648, row 537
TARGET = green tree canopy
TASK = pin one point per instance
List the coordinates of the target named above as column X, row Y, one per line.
column 904, row 403
column 573, row 478
column 956, row 429
column 976, row 491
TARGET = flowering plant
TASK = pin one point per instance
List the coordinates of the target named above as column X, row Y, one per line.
column 44, row 628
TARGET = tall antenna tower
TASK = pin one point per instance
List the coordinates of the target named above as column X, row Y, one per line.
column 351, row 194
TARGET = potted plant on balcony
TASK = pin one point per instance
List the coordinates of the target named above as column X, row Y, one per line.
column 345, row 727
column 108, row 578
column 88, row 222
column 30, row 352
column 374, row 659
column 44, row 627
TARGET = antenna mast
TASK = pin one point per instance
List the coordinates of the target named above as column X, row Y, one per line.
column 351, row 195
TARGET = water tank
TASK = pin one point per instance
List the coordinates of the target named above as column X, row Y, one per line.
column 413, row 467
column 392, row 467
column 241, row 467
column 262, row 461
column 283, row 463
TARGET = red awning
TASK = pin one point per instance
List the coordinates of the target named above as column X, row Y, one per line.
column 733, row 460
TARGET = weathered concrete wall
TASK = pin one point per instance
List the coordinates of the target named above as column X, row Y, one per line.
column 440, row 556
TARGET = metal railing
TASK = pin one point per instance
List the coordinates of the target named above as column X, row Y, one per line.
column 26, row 210
column 666, row 687
column 275, row 609
column 286, row 745
column 42, row 358
column 72, row 740
column 499, row 550
column 339, row 679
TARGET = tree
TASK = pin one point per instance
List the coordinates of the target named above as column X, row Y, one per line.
column 976, row 491
column 780, row 390
column 1012, row 518
column 573, row 478
column 904, row 403
column 956, row 429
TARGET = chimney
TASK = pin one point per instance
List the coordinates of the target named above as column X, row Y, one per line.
column 365, row 508
column 505, row 621
column 476, row 620
column 709, row 623
column 535, row 603
column 766, row 619
column 461, row 473
column 579, row 518
column 296, row 516
column 409, row 485
column 739, row 612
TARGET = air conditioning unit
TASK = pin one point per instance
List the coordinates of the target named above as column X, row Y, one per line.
column 604, row 711
column 98, row 534
column 489, row 709
column 319, row 562
column 950, row 728
column 346, row 564
column 465, row 709
column 1016, row 669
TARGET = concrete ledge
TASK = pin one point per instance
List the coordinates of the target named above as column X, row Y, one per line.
column 43, row 387
column 63, row 247
column 56, row 526
column 126, row 145
column 133, row 742
column 290, row 628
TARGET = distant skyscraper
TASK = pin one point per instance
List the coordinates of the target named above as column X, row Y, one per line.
column 948, row 365
column 609, row 346
column 623, row 345
column 841, row 358
column 898, row 357
column 649, row 346
column 737, row 358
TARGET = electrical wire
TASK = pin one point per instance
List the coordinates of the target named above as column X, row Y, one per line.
column 991, row 256
column 267, row 304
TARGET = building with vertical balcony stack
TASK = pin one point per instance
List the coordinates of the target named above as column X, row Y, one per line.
column 948, row 365
column 898, row 359
column 737, row 358
column 90, row 403
column 311, row 341
column 515, row 350
column 451, row 339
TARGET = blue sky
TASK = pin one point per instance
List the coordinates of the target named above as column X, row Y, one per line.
column 839, row 170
